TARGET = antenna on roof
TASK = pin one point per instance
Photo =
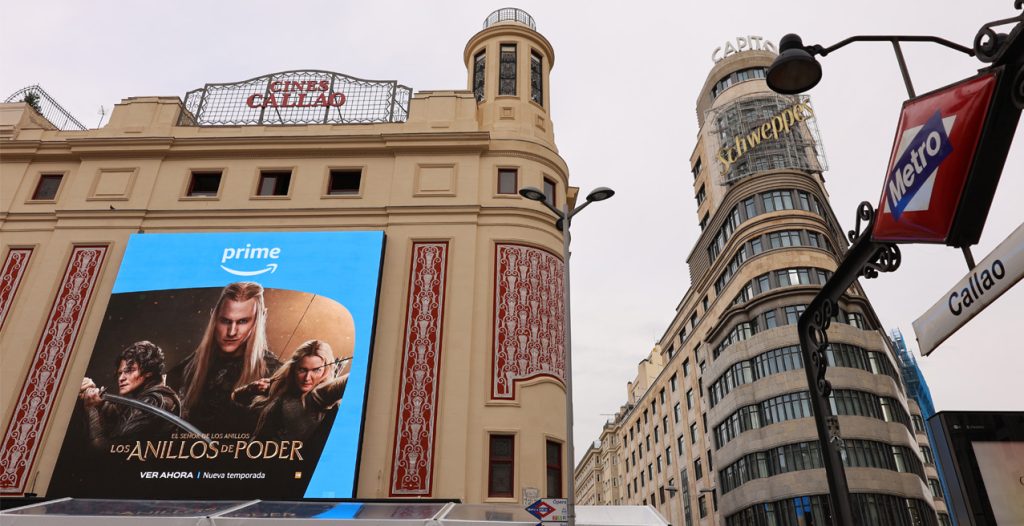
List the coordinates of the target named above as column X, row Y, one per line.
column 103, row 113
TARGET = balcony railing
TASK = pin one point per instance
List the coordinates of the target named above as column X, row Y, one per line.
column 510, row 14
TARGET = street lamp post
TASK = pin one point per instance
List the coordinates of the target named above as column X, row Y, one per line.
column 563, row 223
column 794, row 71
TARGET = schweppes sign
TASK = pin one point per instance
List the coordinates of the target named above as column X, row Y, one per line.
column 776, row 126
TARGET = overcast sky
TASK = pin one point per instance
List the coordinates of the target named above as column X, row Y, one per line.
column 623, row 89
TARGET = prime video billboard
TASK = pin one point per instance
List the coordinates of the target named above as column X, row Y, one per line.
column 228, row 365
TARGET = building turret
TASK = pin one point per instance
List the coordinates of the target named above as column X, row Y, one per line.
column 508, row 64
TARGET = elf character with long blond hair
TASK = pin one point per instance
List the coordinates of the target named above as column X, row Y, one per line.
column 293, row 402
column 232, row 353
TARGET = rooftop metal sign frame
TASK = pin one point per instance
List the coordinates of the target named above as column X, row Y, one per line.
column 306, row 96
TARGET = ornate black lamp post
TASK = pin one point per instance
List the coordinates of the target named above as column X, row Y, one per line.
column 563, row 223
column 796, row 70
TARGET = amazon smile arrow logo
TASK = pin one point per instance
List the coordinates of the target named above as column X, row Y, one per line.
column 248, row 252
column 271, row 267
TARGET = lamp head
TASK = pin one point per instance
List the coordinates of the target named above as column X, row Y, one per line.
column 532, row 193
column 795, row 70
column 600, row 194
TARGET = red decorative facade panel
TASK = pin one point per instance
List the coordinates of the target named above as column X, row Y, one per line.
column 528, row 318
column 413, row 462
column 10, row 277
column 32, row 410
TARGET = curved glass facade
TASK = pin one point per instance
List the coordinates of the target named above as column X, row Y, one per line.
column 807, row 455
column 875, row 509
column 789, row 406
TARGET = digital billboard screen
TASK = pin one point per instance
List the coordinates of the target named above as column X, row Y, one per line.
column 232, row 365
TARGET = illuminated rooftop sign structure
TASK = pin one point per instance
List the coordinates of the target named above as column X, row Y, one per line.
column 297, row 97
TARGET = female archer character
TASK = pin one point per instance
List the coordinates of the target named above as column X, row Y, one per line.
column 294, row 400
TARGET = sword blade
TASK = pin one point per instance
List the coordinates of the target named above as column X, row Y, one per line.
column 159, row 412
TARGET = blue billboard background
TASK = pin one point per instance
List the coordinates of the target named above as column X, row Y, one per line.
column 342, row 266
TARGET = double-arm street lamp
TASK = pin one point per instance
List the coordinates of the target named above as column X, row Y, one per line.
column 796, row 70
column 563, row 223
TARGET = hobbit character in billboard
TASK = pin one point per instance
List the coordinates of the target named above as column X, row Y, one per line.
column 232, row 353
column 293, row 402
column 140, row 369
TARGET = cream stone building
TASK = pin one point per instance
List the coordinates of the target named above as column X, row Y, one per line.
column 437, row 172
column 717, row 426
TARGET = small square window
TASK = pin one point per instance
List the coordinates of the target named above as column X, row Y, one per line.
column 204, row 184
column 508, row 181
column 274, row 182
column 549, row 192
column 46, row 189
column 344, row 182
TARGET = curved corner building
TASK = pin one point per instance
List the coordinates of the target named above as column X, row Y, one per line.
column 466, row 392
column 718, row 426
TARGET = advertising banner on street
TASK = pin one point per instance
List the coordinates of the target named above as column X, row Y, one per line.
column 228, row 365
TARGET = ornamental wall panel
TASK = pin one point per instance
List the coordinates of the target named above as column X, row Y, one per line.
column 35, row 402
column 10, row 278
column 415, row 424
column 529, row 317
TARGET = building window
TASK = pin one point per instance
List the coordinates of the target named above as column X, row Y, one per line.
column 508, row 181
column 479, row 61
column 274, row 182
column 793, row 313
column 936, row 488
column 693, row 433
column 677, row 413
column 549, row 192
column 698, row 470
column 536, row 78
column 500, row 466
column 704, row 221
column 926, row 452
column 918, row 423
column 777, row 200
column 507, row 70
column 856, row 319
column 686, row 367
column 701, row 195
column 554, row 469
column 673, row 383
column 46, row 188
column 344, row 182
column 696, row 168
column 204, row 184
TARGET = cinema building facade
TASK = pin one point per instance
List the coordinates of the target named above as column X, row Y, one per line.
column 717, row 426
column 455, row 296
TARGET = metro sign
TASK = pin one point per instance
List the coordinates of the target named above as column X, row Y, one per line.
column 933, row 158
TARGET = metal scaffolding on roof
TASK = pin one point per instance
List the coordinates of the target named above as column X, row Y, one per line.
column 48, row 108
column 736, row 130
